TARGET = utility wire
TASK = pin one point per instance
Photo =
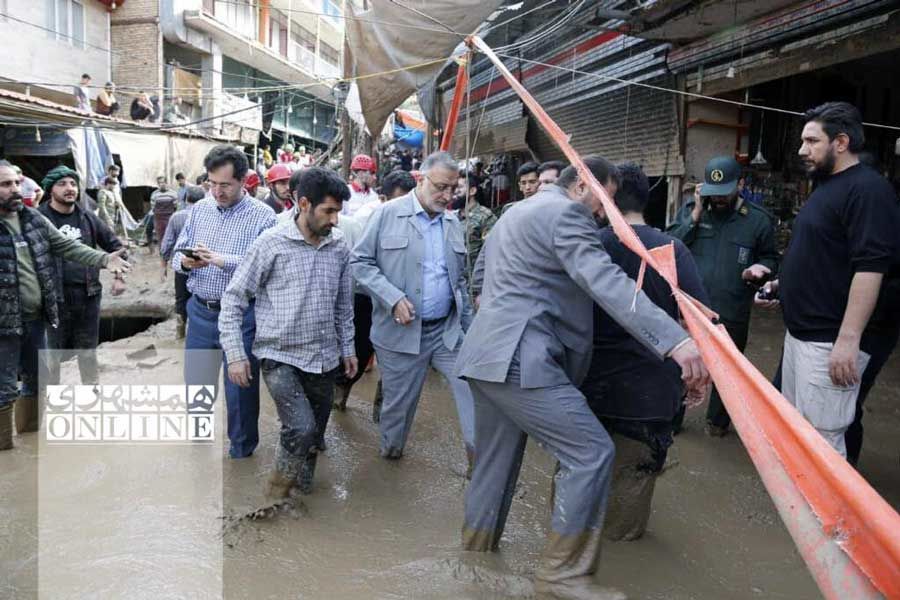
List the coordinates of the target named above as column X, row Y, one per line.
column 674, row 91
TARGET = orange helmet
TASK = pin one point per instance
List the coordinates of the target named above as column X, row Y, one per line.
column 278, row 172
column 362, row 162
column 252, row 180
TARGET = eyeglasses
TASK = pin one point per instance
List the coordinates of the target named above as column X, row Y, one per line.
column 442, row 188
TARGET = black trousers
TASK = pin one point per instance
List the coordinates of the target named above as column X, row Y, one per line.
column 715, row 412
column 77, row 335
column 182, row 295
column 362, row 322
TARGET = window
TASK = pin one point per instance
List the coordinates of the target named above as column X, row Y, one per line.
column 329, row 54
column 65, row 21
column 304, row 37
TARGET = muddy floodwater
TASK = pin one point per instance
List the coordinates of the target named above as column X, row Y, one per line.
column 162, row 522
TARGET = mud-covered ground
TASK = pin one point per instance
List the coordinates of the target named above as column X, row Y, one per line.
column 390, row 530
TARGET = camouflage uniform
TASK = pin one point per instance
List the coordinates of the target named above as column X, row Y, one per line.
column 478, row 221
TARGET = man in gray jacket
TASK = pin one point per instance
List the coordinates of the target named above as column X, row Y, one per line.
column 411, row 262
column 528, row 349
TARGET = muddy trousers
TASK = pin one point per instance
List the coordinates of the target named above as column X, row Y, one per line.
column 716, row 412
column 403, row 376
column 303, row 402
column 22, row 357
column 201, row 369
column 559, row 419
column 77, row 335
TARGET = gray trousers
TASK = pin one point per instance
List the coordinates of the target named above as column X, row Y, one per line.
column 561, row 422
column 403, row 376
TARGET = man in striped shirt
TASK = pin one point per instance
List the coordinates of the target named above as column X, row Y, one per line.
column 218, row 232
column 299, row 274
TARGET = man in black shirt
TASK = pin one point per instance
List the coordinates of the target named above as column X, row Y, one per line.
column 79, row 285
column 844, row 241
column 631, row 392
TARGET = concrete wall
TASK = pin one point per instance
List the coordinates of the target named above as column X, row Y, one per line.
column 137, row 41
column 33, row 54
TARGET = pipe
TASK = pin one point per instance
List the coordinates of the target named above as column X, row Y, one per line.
column 462, row 80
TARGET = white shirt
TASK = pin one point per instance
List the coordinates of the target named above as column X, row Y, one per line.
column 358, row 200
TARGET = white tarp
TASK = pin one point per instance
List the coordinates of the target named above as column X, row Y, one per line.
column 144, row 156
column 391, row 36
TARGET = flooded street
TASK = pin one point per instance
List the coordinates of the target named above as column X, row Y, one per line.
column 147, row 522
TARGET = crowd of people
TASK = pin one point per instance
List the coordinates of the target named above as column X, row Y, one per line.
column 532, row 317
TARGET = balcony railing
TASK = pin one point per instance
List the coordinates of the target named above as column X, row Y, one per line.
column 303, row 57
column 327, row 70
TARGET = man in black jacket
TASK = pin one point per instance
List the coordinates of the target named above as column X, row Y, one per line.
column 78, row 285
column 28, row 298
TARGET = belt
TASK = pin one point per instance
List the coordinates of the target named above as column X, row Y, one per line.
column 430, row 322
column 213, row 305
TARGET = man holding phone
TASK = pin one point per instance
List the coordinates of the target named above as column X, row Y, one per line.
column 733, row 243
column 218, row 231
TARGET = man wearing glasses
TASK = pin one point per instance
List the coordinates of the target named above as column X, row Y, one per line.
column 218, row 234
column 411, row 261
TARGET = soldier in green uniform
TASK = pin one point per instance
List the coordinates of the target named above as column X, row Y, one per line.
column 476, row 218
column 733, row 243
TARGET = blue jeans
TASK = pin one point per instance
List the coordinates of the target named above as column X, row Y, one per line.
column 21, row 355
column 242, row 403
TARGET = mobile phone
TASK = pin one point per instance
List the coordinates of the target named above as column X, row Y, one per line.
column 189, row 252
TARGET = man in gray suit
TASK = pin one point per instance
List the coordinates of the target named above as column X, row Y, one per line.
column 411, row 261
column 528, row 349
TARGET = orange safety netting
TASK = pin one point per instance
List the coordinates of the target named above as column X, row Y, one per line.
column 796, row 464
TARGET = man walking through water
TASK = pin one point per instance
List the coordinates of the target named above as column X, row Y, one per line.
column 528, row 348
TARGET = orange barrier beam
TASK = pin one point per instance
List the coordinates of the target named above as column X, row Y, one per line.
column 847, row 533
column 462, row 80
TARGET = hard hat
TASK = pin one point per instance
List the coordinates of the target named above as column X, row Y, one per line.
column 278, row 172
column 252, row 180
column 362, row 162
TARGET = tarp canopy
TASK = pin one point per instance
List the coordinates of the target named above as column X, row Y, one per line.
column 390, row 37
column 146, row 156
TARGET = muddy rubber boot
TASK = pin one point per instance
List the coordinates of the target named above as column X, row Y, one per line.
column 376, row 406
column 470, row 459
column 631, row 490
column 180, row 327
column 567, row 566
column 27, row 416
column 279, row 485
column 341, row 394
column 6, row 427
column 305, row 479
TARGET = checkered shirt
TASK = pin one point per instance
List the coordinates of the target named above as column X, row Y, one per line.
column 227, row 231
column 304, row 303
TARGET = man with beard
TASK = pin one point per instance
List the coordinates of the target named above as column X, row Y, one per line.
column 733, row 243
column 299, row 275
column 79, row 286
column 843, row 246
column 411, row 260
column 28, row 245
column 362, row 183
column 278, row 177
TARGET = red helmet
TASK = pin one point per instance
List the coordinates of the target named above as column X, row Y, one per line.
column 362, row 162
column 278, row 172
column 252, row 180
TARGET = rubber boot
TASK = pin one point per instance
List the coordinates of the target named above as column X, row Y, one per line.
column 567, row 566
column 180, row 327
column 342, row 394
column 470, row 459
column 376, row 406
column 305, row 479
column 279, row 485
column 631, row 491
column 27, row 416
column 6, row 427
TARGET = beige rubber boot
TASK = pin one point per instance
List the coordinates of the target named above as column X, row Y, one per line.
column 27, row 416
column 6, row 427
column 567, row 567
column 180, row 328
